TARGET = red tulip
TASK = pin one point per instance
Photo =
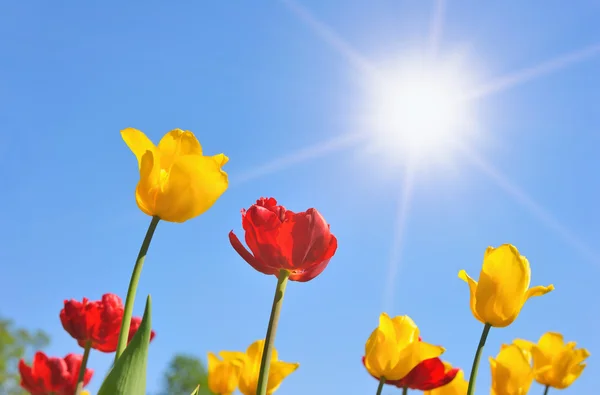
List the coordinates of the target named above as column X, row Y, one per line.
column 56, row 376
column 97, row 322
column 280, row 239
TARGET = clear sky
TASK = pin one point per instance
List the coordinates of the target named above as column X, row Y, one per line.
column 279, row 87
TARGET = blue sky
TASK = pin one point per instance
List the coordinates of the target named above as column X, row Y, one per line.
column 260, row 83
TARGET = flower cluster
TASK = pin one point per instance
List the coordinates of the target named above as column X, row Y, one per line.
column 177, row 183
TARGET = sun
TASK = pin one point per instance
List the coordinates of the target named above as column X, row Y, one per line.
column 417, row 109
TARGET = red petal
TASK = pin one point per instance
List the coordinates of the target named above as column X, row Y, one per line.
column 247, row 256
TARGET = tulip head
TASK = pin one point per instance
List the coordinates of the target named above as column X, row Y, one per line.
column 512, row 373
column 280, row 239
column 48, row 375
column 555, row 363
column 457, row 386
column 223, row 375
column 503, row 286
column 97, row 322
column 250, row 362
column 177, row 182
column 394, row 349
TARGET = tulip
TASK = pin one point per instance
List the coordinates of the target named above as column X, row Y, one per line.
column 223, row 375
column 177, row 182
column 96, row 323
column 458, row 386
column 503, row 287
column 394, row 349
column 512, row 373
column 499, row 296
column 251, row 362
column 295, row 246
column 53, row 376
column 555, row 363
column 279, row 239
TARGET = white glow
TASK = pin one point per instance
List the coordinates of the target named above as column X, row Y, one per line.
column 417, row 109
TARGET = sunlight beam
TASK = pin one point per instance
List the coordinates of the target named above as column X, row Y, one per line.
column 328, row 35
column 437, row 24
column 314, row 151
column 395, row 257
column 517, row 78
column 533, row 207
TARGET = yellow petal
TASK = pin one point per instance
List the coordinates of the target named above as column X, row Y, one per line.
column 511, row 372
column 538, row 291
column 148, row 187
column 279, row 371
column 405, row 331
column 503, row 281
column 178, row 143
column 194, row 184
column 458, row 386
column 223, row 376
column 137, row 142
column 551, row 343
column 412, row 355
column 524, row 344
column 221, row 159
column 571, row 377
column 375, row 362
column 472, row 291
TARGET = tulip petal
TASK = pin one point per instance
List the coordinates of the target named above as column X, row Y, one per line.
column 319, row 267
column 247, row 255
column 137, row 142
column 412, row 355
column 472, row 293
column 278, row 372
column 194, row 184
column 538, row 291
column 148, row 186
column 178, row 143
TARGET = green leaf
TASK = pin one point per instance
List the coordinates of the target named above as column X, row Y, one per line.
column 196, row 391
column 128, row 375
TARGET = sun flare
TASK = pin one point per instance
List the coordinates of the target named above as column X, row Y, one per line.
column 417, row 110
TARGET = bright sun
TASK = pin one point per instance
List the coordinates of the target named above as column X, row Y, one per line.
column 417, row 110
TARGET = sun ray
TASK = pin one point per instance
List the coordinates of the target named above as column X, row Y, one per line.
column 517, row 78
column 395, row 255
column 532, row 206
column 314, row 151
column 437, row 24
column 328, row 35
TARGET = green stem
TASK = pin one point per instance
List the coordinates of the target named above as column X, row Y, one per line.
column 263, row 375
column 84, row 360
column 133, row 284
column 405, row 391
column 547, row 390
column 380, row 386
column 475, row 367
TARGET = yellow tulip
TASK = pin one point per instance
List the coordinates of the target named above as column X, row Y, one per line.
column 503, row 287
column 458, row 386
column 177, row 182
column 394, row 349
column 223, row 375
column 251, row 366
column 555, row 363
column 512, row 373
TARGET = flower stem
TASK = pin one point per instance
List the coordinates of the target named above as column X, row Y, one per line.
column 84, row 360
column 405, row 391
column 547, row 390
column 475, row 367
column 133, row 284
column 263, row 375
column 380, row 386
